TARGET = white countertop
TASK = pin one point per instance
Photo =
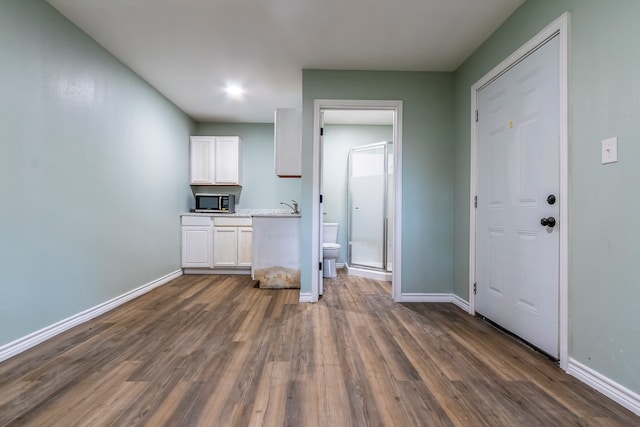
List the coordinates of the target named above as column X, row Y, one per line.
column 281, row 213
column 276, row 215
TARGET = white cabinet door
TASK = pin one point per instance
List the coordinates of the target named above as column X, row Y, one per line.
column 227, row 160
column 225, row 246
column 196, row 247
column 202, row 156
column 245, row 238
column 215, row 160
column 288, row 142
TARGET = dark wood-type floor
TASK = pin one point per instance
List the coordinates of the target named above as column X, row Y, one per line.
column 215, row 351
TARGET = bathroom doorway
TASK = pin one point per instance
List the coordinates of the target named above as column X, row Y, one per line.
column 339, row 127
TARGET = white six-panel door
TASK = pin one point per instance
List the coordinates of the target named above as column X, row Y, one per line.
column 517, row 257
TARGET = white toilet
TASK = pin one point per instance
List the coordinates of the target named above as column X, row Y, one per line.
column 330, row 248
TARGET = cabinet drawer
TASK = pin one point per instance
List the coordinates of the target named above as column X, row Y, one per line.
column 232, row 222
column 203, row 221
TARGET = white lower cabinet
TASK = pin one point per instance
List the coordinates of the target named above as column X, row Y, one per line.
column 232, row 237
column 197, row 242
column 245, row 242
column 225, row 246
column 216, row 243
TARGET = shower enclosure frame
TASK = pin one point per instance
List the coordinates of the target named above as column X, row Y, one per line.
column 385, row 210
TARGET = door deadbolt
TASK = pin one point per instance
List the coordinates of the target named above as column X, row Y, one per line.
column 551, row 199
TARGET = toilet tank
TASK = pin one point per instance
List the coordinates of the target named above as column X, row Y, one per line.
column 330, row 232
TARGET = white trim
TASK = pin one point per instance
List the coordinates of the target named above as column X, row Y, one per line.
column 306, row 297
column 462, row 304
column 316, row 250
column 435, row 297
column 604, row 385
column 340, row 265
column 383, row 276
column 561, row 26
column 21, row 344
column 423, row 297
column 212, row 271
column 396, row 283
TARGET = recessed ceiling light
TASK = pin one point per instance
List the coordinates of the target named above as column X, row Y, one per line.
column 234, row 91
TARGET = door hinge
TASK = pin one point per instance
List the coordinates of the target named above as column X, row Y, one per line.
column 322, row 131
column 475, row 201
column 320, row 266
column 321, row 198
column 476, row 116
column 475, row 287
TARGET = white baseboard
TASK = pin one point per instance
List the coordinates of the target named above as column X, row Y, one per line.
column 306, row 297
column 436, row 297
column 423, row 297
column 21, row 344
column 462, row 304
column 604, row 385
column 211, row 271
column 369, row 274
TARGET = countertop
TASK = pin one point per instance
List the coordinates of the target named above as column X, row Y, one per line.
column 247, row 213
column 276, row 215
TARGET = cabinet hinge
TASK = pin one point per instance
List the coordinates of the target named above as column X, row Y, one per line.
column 320, row 266
column 475, row 287
column 476, row 116
column 475, row 201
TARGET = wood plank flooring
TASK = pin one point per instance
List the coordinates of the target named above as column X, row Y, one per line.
column 215, row 351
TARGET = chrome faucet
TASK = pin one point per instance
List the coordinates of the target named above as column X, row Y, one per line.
column 294, row 208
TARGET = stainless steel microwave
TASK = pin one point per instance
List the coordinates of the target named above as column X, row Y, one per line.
column 215, row 202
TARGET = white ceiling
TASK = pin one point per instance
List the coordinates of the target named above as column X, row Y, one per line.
column 190, row 49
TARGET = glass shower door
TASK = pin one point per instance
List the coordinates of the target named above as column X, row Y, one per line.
column 367, row 206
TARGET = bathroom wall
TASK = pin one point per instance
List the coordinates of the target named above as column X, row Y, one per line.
column 338, row 140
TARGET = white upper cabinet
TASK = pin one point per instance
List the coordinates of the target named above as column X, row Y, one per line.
column 288, row 142
column 227, row 164
column 202, row 157
column 215, row 160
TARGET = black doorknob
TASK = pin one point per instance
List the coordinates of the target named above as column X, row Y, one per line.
column 548, row 222
column 551, row 199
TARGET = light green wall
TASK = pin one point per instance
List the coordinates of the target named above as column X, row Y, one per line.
column 337, row 141
column 604, row 247
column 261, row 187
column 427, row 211
column 93, row 173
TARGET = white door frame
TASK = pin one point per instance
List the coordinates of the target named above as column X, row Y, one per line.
column 316, row 244
column 560, row 27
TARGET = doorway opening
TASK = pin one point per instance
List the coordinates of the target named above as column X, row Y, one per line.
column 357, row 181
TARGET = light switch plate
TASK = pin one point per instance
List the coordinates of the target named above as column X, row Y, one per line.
column 609, row 150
